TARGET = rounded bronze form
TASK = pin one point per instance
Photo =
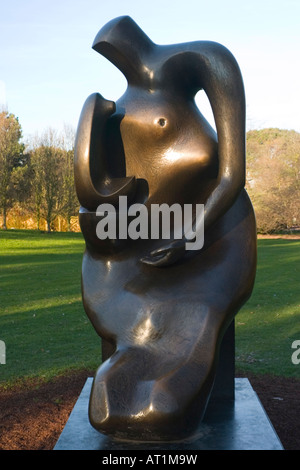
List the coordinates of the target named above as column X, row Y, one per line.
column 161, row 310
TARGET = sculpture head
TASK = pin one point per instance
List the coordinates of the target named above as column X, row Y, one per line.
column 155, row 134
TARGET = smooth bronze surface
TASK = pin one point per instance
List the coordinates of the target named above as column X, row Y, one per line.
column 161, row 310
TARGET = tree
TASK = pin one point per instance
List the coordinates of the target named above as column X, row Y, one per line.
column 69, row 203
column 21, row 183
column 273, row 178
column 37, row 175
column 11, row 151
column 46, row 160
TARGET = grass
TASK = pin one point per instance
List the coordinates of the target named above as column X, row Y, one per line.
column 46, row 331
column 42, row 320
column 270, row 321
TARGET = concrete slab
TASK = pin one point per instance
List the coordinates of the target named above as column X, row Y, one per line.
column 239, row 424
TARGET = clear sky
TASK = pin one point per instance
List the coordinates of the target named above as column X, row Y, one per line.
column 48, row 68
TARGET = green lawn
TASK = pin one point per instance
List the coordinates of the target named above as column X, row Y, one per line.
column 270, row 321
column 42, row 320
column 46, row 331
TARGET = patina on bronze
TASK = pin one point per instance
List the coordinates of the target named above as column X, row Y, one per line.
column 161, row 310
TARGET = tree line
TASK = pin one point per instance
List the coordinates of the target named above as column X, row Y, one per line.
column 38, row 180
column 273, row 178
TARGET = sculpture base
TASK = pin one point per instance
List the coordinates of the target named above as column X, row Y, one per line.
column 239, row 424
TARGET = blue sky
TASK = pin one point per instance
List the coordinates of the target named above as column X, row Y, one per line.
column 48, row 68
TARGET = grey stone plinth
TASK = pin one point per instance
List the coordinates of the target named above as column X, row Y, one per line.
column 239, row 424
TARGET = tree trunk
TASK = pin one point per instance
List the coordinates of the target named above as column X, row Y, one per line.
column 48, row 225
column 69, row 223
column 38, row 217
column 4, row 227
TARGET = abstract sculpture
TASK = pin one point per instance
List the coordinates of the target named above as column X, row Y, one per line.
column 160, row 309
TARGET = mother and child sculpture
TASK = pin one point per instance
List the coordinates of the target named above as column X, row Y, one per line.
column 161, row 309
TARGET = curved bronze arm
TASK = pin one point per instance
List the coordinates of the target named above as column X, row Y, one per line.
column 93, row 184
column 211, row 67
column 220, row 77
column 183, row 69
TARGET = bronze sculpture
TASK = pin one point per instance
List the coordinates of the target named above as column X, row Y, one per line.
column 162, row 310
